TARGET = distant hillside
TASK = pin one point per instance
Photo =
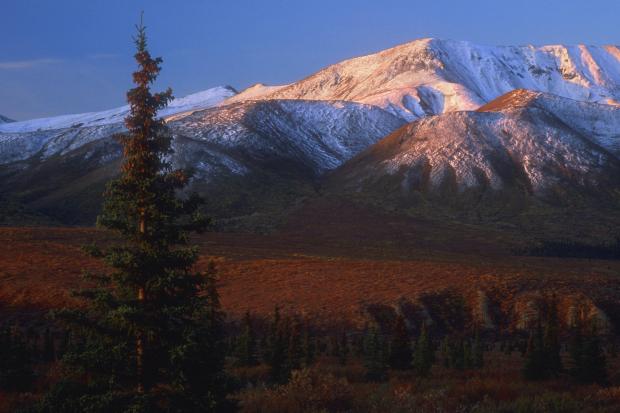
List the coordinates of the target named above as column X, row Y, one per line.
column 4, row 119
column 527, row 153
column 248, row 157
column 497, row 133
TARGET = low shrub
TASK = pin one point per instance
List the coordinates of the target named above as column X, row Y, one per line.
column 307, row 391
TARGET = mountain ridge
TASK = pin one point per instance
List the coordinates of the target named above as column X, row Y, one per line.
column 195, row 101
column 431, row 76
column 341, row 130
column 545, row 150
column 240, row 152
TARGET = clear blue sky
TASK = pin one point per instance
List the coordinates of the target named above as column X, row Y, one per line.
column 67, row 56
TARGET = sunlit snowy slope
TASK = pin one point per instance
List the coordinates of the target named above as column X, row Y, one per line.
column 544, row 120
column 432, row 76
column 540, row 143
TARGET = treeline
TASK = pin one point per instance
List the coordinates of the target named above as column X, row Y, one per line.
column 542, row 356
column 573, row 249
column 290, row 343
column 284, row 343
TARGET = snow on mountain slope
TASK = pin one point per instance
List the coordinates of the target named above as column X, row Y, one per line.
column 600, row 123
column 562, row 133
column 249, row 154
column 319, row 135
column 255, row 92
column 432, row 76
column 421, row 78
column 315, row 135
column 535, row 141
column 18, row 146
column 196, row 101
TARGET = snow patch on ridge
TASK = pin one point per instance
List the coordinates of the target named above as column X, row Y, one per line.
column 196, row 101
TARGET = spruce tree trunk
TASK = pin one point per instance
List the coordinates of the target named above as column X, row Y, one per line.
column 139, row 334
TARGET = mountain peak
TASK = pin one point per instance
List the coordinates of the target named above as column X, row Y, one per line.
column 254, row 92
column 552, row 147
column 431, row 76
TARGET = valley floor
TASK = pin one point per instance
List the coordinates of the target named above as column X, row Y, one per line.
column 332, row 269
column 329, row 273
column 330, row 386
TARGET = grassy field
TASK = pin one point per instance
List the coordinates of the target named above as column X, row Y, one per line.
column 329, row 268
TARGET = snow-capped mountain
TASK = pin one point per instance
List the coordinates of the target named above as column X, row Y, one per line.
column 539, row 143
column 476, row 130
column 252, row 143
column 197, row 101
column 320, row 135
column 4, row 119
column 60, row 134
column 433, row 76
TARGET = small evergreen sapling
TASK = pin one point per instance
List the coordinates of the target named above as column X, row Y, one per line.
column 278, row 347
column 374, row 355
column 588, row 358
column 400, row 346
column 309, row 347
column 246, row 352
column 16, row 360
column 424, row 354
column 534, row 367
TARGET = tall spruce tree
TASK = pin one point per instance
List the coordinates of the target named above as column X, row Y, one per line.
column 445, row 351
column 150, row 336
